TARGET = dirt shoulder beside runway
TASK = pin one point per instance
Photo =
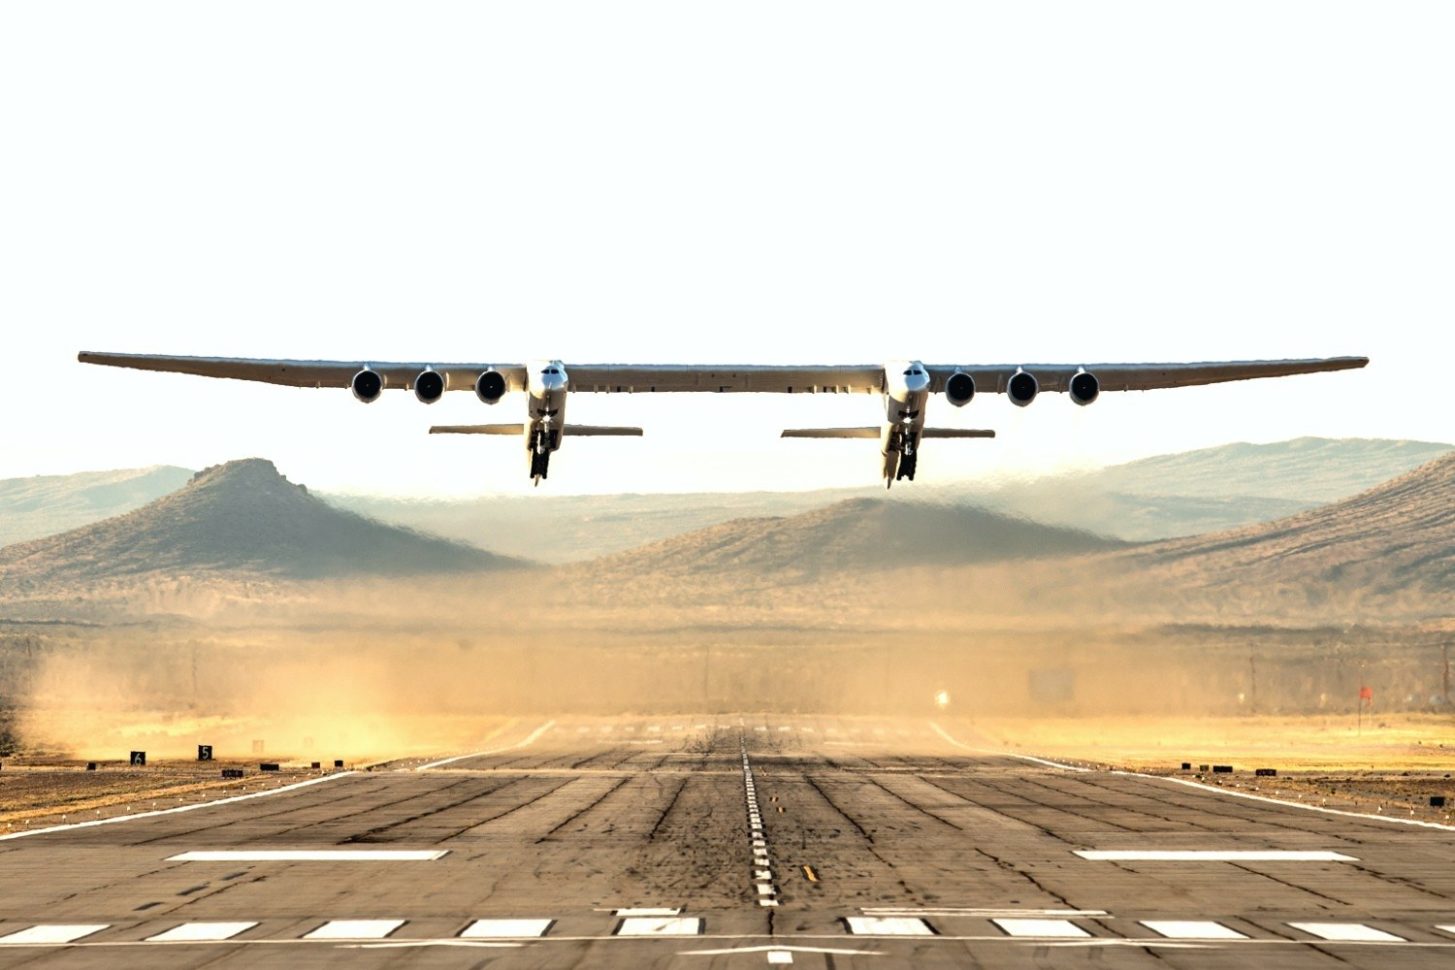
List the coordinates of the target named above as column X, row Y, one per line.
column 1392, row 764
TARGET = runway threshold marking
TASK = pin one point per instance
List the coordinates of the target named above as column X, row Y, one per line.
column 980, row 912
column 310, row 855
column 355, row 929
column 660, row 926
column 52, row 933
column 1347, row 933
column 202, row 932
column 494, row 929
column 888, row 926
column 231, row 800
column 1211, row 855
column 1041, row 928
column 529, row 740
column 1192, row 929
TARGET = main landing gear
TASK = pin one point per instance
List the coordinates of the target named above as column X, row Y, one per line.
column 542, row 443
column 908, row 455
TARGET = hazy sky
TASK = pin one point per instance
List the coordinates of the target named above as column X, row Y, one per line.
column 784, row 182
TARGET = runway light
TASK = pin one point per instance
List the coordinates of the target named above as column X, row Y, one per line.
column 942, row 699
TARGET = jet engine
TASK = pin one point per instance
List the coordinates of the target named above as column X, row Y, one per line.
column 1084, row 388
column 490, row 386
column 960, row 388
column 429, row 386
column 367, row 385
column 1022, row 388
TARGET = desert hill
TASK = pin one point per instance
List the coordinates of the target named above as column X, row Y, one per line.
column 1395, row 541
column 44, row 505
column 240, row 518
column 1188, row 493
column 855, row 535
column 1213, row 489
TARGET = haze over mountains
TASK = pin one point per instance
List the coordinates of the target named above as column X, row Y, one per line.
column 854, row 535
column 1174, row 495
column 235, row 520
column 47, row 505
column 1155, row 498
column 1394, row 541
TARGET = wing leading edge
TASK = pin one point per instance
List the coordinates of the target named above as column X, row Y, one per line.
column 718, row 379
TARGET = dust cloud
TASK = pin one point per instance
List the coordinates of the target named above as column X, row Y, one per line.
column 385, row 668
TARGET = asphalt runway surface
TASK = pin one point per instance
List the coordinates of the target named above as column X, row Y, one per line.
column 733, row 841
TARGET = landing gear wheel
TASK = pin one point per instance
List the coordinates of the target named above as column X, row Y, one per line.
column 906, row 466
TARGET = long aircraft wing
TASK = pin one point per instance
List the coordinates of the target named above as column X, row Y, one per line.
column 720, row 378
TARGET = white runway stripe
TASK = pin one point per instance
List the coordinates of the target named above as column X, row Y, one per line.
column 1347, row 933
column 531, row 739
column 650, row 911
column 888, row 926
column 201, row 932
column 310, row 855
column 355, row 929
column 1191, row 929
column 659, row 926
column 494, row 929
column 1051, row 928
column 52, row 933
column 1211, row 855
column 232, row 800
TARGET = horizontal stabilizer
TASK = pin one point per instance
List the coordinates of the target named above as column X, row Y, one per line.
column 585, row 430
column 832, row 432
column 478, row 429
column 956, row 433
column 875, row 432
column 595, row 430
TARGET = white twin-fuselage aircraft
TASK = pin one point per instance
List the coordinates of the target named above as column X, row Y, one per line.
column 905, row 385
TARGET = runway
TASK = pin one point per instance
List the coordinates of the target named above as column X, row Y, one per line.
column 733, row 841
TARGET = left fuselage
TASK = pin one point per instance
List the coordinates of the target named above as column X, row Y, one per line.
column 906, row 394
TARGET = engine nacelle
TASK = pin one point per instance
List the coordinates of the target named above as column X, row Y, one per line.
column 490, row 386
column 429, row 386
column 1022, row 388
column 1084, row 388
column 367, row 385
column 960, row 388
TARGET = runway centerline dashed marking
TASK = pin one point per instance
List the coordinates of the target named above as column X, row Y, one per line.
column 763, row 882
